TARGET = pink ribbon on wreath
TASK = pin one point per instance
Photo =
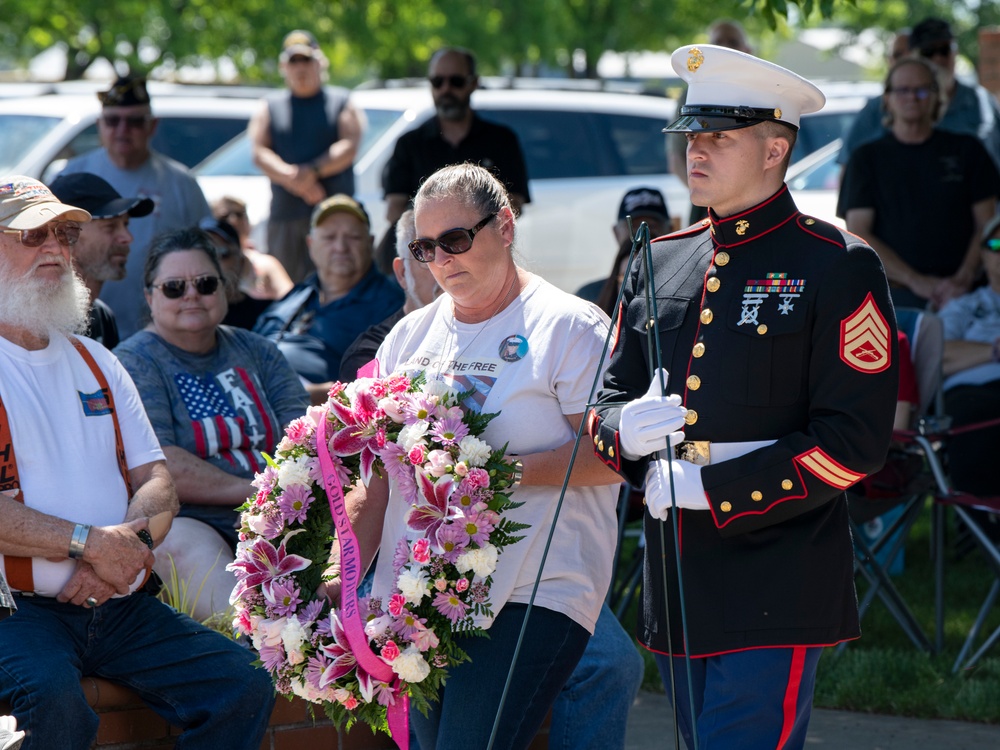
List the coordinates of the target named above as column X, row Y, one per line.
column 398, row 714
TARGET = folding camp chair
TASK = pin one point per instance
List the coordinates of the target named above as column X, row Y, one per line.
column 901, row 488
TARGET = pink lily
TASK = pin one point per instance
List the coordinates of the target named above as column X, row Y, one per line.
column 361, row 432
column 429, row 516
column 260, row 563
column 339, row 652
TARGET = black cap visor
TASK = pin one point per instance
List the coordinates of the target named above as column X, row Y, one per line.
column 134, row 207
column 710, row 119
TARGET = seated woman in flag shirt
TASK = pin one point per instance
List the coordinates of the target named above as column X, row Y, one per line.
column 217, row 397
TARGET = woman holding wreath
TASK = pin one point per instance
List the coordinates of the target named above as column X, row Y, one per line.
column 528, row 352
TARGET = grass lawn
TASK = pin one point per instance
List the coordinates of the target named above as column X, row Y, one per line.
column 883, row 672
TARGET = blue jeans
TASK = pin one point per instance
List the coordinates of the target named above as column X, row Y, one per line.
column 760, row 699
column 469, row 700
column 592, row 709
column 196, row 679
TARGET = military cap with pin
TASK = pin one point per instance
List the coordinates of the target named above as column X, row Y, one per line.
column 127, row 91
column 728, row 89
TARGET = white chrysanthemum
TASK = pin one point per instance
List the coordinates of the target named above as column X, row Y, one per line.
column 482, row 561
column 414, row 585
column 411, row 665
column 473, row 451
column 294, row 471
column 293, row 635
column 413, row 434
column 268, row 633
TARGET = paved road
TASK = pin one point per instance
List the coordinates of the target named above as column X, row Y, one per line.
column 650, row 727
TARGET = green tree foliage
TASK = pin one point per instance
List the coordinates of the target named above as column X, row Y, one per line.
column 393, row 38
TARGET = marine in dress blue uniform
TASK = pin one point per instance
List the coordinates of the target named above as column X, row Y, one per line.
column 779, row 337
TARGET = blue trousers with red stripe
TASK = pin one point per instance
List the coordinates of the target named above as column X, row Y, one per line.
column 759, row 699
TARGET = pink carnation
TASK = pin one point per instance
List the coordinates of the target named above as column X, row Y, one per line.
column 390, row 651
column 478, row 478
column 298, row 430
column 397, row 383
column 461, row 585
column 335, row 390
column 397, row 603
column 421, row 550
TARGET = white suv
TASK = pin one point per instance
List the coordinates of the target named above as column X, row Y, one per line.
column 584, row 150
column 39, row 134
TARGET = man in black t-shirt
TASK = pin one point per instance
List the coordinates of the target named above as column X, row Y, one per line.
column 100, row 253
column 457, row 134
column 920, row 195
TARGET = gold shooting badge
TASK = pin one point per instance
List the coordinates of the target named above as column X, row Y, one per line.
column 695, row 59
column 864, row 339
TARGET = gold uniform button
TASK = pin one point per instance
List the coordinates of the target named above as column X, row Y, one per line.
column 706, row 316
column 762, row 329
column 699, row 350
column 756, row 496
column 786, row 484
column 600, row 446
column 810, row 222
column 713, row 284
column 611, row 452
column 722, row 258
column 691, row 417
column 726, row 506
column 595, row 439
column 694, row 382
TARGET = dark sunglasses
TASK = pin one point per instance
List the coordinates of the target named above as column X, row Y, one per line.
column 937, row 50
column 456, row 82
column 175, row 288
column 239, row 215
column 453, row 242
column 66, row 234
column 992, row 245
column 300, row 59
column 131, row 121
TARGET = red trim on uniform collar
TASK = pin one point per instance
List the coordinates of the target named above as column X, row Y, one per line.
column 756, row 221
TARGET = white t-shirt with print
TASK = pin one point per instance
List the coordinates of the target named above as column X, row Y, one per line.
column 534, row 363
column 64, row 438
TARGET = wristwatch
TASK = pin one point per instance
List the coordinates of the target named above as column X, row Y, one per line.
column 146, row 537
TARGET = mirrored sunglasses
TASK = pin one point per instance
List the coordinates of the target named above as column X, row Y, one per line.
column 175, row 288
column 456, row 82
column 131, row 121
column 66, row 234
column 453, row 242
column 992, row 245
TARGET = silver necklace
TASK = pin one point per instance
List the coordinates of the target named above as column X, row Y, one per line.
column 485, row 324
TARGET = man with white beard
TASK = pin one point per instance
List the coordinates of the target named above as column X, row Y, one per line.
column 84, row 496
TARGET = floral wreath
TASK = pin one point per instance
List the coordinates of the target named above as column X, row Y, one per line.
column 416, row 432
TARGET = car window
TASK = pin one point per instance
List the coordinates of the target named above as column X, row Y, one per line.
column 190, row 139
column 639, row 143
column 555, row 144
column 379, row 121
column 824, row 175
column 818, row 130
column 19, row 134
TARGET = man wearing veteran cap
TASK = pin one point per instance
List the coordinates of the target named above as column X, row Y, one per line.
column 132, row 167
column 84, row 497
column 320, row 318
column 101, row 251
column 778, row 343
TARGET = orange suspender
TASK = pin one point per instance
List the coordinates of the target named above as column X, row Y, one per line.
column 18, row 569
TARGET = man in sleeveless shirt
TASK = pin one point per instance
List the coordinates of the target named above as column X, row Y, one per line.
column 304, row 138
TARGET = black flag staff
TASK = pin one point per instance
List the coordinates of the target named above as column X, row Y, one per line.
column 640, row 245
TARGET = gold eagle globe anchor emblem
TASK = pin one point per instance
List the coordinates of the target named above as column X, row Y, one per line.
column 695, row 59
column 742, row 226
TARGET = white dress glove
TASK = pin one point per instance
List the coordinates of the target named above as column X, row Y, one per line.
column 10, row 737
column 688, row 488
column 646, row 422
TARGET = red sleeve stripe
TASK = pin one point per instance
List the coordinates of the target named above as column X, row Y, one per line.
column 827, row 470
